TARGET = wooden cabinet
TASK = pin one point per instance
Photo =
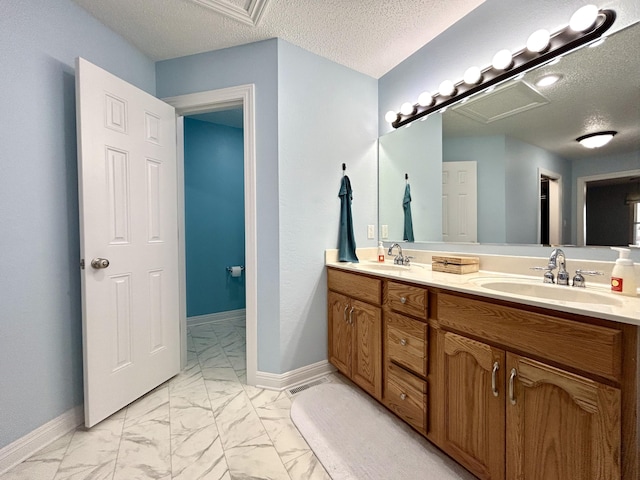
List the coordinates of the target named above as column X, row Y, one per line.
column 512, row 392
column 355, row 329
column 506, row 414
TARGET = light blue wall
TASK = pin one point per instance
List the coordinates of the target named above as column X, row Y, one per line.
column 490, row 154
column 326, row 116
column 522, row 189
column 214, row 216
column 40, row 318
column 256, row 63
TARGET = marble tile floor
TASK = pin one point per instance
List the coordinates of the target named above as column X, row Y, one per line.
column 205, row 423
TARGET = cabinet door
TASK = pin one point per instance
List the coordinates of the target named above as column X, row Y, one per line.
column 560, row 426
column 366, row 369
column 339, row 332
column 474, row 399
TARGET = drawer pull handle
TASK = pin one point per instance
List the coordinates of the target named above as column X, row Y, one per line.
column 403, row 300
column 494, row 388
column 345, row 313
column 350, row 317
column 403, row 396
column 403, row 341
column 512, row 396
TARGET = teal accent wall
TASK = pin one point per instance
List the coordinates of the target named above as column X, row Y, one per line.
column 214, row 216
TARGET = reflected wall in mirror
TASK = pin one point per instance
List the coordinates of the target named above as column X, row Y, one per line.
column 532, row 176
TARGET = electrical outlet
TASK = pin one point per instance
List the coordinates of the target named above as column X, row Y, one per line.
column 371, row 231
column 384, row 231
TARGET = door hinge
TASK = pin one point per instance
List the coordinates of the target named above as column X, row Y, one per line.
column 82, row 263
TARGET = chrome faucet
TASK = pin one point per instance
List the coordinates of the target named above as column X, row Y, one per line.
column 398, row 259
column 558, row 260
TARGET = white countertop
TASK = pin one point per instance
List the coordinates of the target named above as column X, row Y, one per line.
column 624, row 309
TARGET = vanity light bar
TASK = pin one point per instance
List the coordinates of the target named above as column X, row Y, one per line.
column 559, row 43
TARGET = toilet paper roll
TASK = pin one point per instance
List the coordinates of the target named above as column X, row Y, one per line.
column 236, row 271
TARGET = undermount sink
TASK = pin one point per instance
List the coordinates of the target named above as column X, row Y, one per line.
column 546, row 291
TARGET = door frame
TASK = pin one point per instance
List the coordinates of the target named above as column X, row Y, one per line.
column 543, row 172
column 209, row 101
column 581, row 199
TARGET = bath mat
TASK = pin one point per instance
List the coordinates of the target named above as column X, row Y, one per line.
column 355, row 438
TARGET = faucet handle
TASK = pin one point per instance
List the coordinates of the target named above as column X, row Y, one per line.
column 407, row 259
column 548, row 274
column 578, row 278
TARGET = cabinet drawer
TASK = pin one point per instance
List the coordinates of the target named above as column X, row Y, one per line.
column 406, row 396
column 407, row 299
column 590, row 348
column 406, row 342
column 363, row 288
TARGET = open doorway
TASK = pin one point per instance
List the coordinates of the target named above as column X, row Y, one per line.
column 214, row 242
column 205, row 102
column 550, row 208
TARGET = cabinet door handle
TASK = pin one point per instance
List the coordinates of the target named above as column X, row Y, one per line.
column 350, row 317
column 512, row 377
column 345, row 312
column 494, row 387
column 403, row 341
column 403, row 300
column 403, row 396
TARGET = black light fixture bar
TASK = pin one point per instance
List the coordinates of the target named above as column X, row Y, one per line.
column 560, row 42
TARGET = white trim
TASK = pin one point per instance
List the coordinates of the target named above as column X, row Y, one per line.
column 284, row 381
column 216, row 317
column 554, row 176
column 581, row 198
column 14, row 453
column 215, row 100
column 251, row 15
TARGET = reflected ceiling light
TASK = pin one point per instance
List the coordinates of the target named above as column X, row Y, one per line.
column 538, row 41
column 407, row 109
column 503, row 60
column 391, row 116
column 596, row 140
column 542, row 48
column 584, row 18
column 548, row 80
column 425, row 99
column 447, row 88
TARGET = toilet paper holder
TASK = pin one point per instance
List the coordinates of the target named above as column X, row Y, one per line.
column 229, row 269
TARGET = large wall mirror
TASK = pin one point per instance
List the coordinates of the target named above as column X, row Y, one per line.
column 512, row 171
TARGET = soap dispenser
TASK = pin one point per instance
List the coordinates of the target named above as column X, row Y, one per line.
column 380, row 252
column 623, row 276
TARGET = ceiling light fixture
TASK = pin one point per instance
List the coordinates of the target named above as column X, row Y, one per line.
column 542, row 48
column 548, row 80
column 596, row 140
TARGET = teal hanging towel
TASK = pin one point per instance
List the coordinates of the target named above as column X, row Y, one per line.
column 408, row 222
column 347, row 241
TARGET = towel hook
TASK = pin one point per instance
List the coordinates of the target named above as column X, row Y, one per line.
column 344, row 167
column 406, row 177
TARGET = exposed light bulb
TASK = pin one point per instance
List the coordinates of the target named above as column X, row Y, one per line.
column 503, row 60
column 425, row 99
column 447, row 88
column 584, row 18
column 596, row 140
column 472, row 76
column 391, row 116
column 538, row 41
column 406, row 108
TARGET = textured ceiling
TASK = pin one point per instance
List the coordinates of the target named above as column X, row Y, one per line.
column 369, row 36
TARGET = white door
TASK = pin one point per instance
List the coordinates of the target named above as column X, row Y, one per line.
column 128, row 217
column 555, row 214
column 459, row 202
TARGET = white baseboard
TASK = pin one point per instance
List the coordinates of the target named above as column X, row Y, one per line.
column 283, row 381
column 32, row 442
column 216, row 317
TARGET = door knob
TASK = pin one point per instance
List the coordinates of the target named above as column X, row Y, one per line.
column 98, row 263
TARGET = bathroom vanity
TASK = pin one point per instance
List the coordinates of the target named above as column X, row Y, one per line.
column 511, row 387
